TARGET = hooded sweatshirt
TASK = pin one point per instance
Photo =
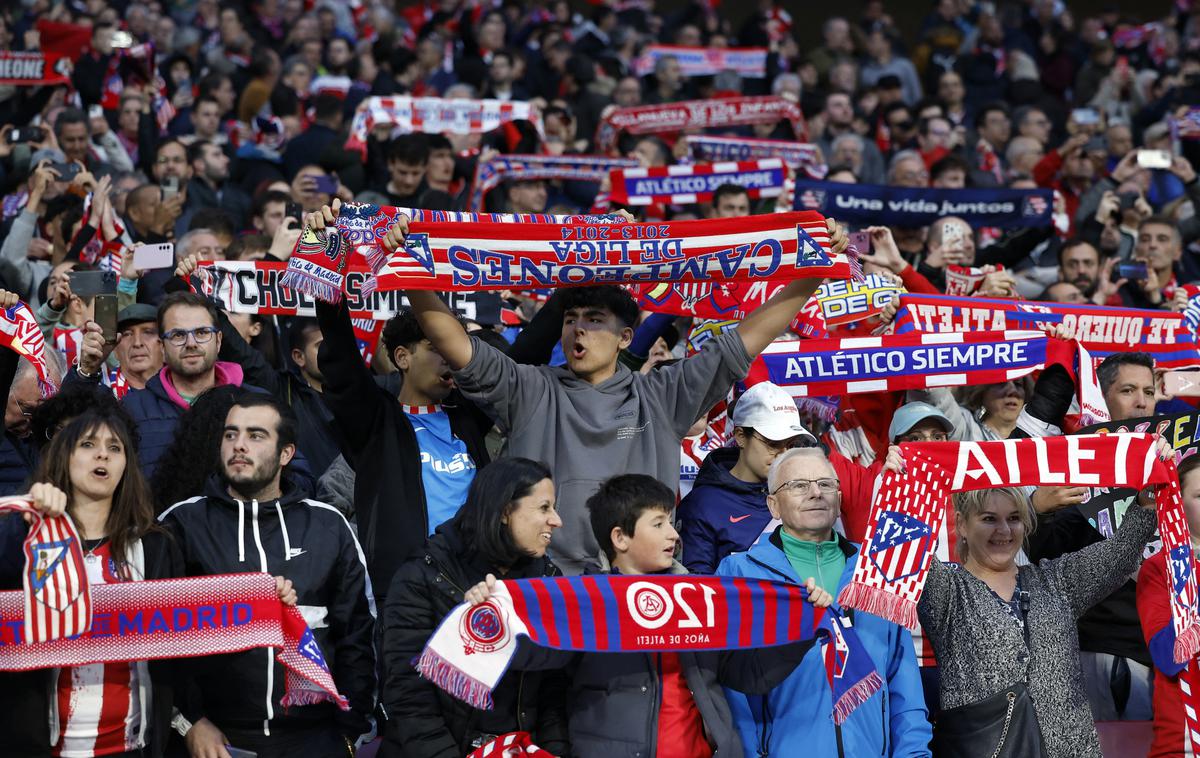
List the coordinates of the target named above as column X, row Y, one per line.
column 630, row 423
column 722, row 514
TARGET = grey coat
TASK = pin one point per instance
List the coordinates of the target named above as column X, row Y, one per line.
column 980, row 648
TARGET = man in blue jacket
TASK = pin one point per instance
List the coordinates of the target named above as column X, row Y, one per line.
column 804, row 494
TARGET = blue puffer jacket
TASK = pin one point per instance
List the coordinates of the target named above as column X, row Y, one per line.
column 795, row 718
column 721, row 515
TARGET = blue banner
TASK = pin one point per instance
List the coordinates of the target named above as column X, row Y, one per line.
column 867, row 204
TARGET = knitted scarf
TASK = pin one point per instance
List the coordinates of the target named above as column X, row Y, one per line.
column 472, row 649
column 699, row 114
column 56, row 601
column 178, row 618
column 909, row 509
column 511, row 745
column 908, row 361
column 696, row 182
column 802, row 156
column 964, row 280
column 1101, row 330
column 747, row 62
column 486, row 256
column 502, row 168
column 19, row 332
column 435, row 115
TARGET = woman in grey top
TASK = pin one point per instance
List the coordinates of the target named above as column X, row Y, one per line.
column 971, row 615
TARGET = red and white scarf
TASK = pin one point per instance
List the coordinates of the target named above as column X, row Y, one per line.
column 906, row 517
column 802, row 156
column 964, row 280
column 748, row 62
column 33, row 69
column 179, row 618
column 696, row 182
column 699, row 114
column 511, row 745
column 435, row 115
column 19, row 332
column 502, row 168
column 56, row 601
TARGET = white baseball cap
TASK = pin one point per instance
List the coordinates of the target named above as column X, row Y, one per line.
column 769, row 410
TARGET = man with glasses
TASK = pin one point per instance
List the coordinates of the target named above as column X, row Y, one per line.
column 805, row 496
column 187, row 323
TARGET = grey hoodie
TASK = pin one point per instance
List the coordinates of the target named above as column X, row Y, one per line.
column 630, row 424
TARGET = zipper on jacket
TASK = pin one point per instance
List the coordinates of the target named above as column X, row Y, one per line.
column 820, row 576
column 520, row 700
column 262, row 562
column 656, row 711
column 884, row 719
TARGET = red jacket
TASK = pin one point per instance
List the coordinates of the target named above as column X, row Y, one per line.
column 1045, row 173
column 1154, row 610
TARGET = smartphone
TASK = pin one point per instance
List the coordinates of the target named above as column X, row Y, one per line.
column 1185, row 383
column 26, row 134
column 122, row 39
column 95, row 111
column 148, row 257
column 1132, row 270
column 235, row 752
column 92, row 283
column 105, row 314
column 952, row 236
column 861, row 242
column 170, row 187
column 326, row 184
column 1154, row 158
column 293, row 210
column 1085, row 116
column 66, row 171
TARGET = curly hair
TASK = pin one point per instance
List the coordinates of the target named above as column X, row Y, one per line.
column 195, row 453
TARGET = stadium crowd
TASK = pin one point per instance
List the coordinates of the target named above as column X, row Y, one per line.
column 1015, row 160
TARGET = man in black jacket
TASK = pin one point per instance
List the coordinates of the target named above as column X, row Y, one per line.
column 251, row 518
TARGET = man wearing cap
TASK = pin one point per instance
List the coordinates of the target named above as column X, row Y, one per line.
column 726, row 511
column 805, row 495
column 139, row 353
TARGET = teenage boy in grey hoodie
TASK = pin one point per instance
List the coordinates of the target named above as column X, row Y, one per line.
column 594, row 418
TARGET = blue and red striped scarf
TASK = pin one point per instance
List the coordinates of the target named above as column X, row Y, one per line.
column 502, row 168
column 695, row 183
column 472, row 649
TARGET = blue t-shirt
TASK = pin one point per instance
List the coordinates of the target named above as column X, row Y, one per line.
column 446, row 466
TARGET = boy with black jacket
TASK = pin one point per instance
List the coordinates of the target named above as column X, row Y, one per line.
column 668, row 705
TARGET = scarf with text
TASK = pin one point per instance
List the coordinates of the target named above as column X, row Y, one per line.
column 505, row 168
column 180, row 618
column 911, row 207
column 19, row 332
column 435, row 115
column 483, row 256
column 1191, row 313
column 696, row 182
column 34, row 69
column 802, row 156
column 699, row 114
column 908, row 511
column 471, row 650
column 748, row 62
column 964, row 280
column 1100, row 329
column 56, row 601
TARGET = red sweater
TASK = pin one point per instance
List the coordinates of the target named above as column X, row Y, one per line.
column 1154, row 610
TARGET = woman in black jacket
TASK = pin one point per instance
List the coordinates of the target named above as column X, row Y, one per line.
column 503, row 528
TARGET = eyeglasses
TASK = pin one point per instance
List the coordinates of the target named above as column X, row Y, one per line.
column 165, row 159
column 925, row 436
column 26, row 409
column 179, row 337
column 798, row 486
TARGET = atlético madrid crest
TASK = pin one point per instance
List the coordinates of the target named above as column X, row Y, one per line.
column 900, row 542
column 483, row 629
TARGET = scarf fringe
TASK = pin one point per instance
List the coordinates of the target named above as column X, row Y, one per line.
column 310, row 285
column 856, row 696
column 376, row 256
column 451, row 679
column 880, row 603
column 1187, row 644
column 825, row 411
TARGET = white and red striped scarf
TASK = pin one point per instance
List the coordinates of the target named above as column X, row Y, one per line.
column 964, row 280
column 56, row 602
column 511, row 745
column 503, row 168
column 180, row 618
column 485, row 256
column 907, row 514
column 748, row 62
column 802, row 156
column 19, row 332
column 435, row 115
column 700, row 114
column 695, row 182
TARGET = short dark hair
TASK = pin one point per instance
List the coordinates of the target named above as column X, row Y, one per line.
column 205, row 99
column 1073, row 243
column 190, row 300
column 401, row 330
column 982, row 115
column 1106, row 372
column 1161, row 221
column 285, row 430
column 299, row 329
column 728, row 189
column 195, row 151
column 69, row 115
column 608, row 296
column 216, row 220
column 210, row 82
column 949, row 162
column 270, row 196
column 170, row 141
column 1188, row 465
column 409, row 149
column 327, row 106
column 437, row 142
column 491, row 497
column 621, row 501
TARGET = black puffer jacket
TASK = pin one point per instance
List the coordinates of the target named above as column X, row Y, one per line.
column 425, row 722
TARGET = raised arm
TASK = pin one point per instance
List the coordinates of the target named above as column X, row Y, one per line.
column 769, row 320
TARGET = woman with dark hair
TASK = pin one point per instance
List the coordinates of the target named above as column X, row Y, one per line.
column 194, row 455
column 503, row 528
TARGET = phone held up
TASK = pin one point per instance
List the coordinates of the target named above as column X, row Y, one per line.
column 105, row 314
